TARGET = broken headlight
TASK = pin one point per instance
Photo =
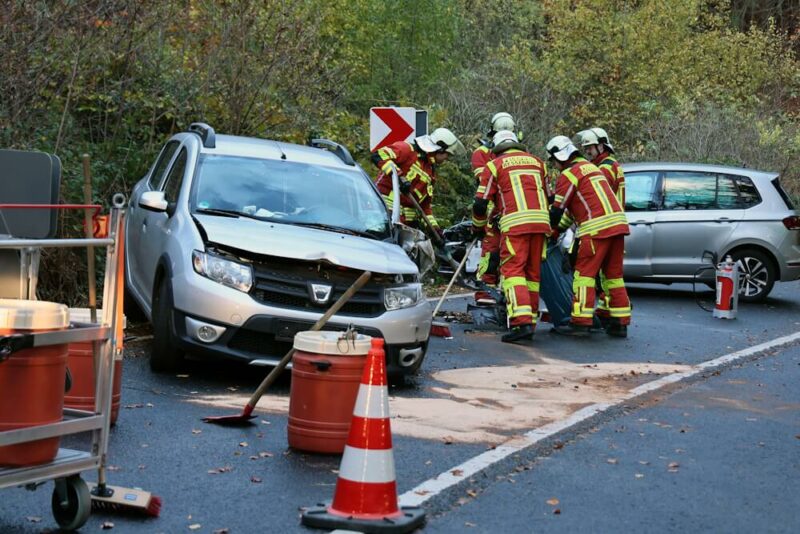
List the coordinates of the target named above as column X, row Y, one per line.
column 396, row 298
column 226, row 272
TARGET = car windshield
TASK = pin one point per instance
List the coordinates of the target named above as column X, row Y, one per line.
column 291, row 193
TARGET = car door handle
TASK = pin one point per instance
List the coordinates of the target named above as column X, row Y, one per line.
column 723, row 219
column 647, row 223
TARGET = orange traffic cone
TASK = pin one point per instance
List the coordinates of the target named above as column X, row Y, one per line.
column 365, row 499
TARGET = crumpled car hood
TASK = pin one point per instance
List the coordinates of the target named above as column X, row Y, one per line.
column 310, row 244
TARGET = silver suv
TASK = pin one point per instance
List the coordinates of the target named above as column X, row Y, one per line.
column 234, row 244
column 677, row 211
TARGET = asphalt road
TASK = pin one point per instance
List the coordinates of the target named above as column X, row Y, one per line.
column 248, row 480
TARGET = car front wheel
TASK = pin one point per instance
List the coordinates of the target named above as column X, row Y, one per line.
column 756, row 274
column 165, row 355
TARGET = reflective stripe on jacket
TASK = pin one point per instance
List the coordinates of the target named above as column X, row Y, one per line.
column 516, row 182
column 412, row 166
column 583, row 190
column 607, row 163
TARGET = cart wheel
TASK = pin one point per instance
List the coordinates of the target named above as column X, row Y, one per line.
column 75, row 512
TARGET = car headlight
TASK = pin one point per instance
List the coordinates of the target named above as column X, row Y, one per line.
column 397, row 298
column 226, row 272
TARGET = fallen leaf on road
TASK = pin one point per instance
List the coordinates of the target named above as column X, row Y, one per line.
column 142, row 466
column 472, row 493
column 553, row 501
column 255, row 480
column 750, row 419
column 195, row 526
column 221, row 531
column 448, row 440
column 132, row 406
column 557, row 511
column 457, row 472
column 243, row 444
column 263, row 422
column 196, row 431
column 34, row 519
column 468, row 524
column 181, row 376
column 673, row 467
column 254, row 457
column 558, row 445
column 232, row 389
column 638, row 475
column 265, row 454
column 644, row 462
column 107, row 525
column 113, row 467
column 418, row 492
column 150, row 405
column 217, row 470
column 612, row 461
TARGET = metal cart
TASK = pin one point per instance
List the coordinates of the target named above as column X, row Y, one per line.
column 71, row 501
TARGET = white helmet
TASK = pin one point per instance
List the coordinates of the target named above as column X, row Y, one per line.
column 502, row 121
column 587, row 137
column 441, row 139
column 561, row 148
column 504, row 137
column 602, row 137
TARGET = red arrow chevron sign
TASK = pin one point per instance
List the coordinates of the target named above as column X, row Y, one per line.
column 388, row 125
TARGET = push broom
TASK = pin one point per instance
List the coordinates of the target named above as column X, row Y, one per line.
column 244, row 418
column 107, row 498
column 441, row 328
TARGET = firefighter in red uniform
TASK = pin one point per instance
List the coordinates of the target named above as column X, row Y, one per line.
column 583, row 191
column 415, row 164
column 490, row 244
column 595, row 143
column 516, row 182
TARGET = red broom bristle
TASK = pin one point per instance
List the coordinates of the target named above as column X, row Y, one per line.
column 154, row 506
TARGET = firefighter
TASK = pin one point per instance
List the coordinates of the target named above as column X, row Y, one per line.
column 490, row 244
column 583, row 192
column 415, row 164
column 600, row 151
column 595, row 143
column 516, row 182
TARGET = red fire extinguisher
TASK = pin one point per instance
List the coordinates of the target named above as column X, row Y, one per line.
column 727, row 289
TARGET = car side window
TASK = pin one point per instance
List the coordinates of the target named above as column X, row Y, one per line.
column 689, row 190
column 748, row 193
column 175, row 178
column 727, row 193
column 161, row 165
column 640, row 191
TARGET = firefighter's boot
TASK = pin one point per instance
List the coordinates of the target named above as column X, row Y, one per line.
column 518, row 333
column 615, row 329
column 573, row 330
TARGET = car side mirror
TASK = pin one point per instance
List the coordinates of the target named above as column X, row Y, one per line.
column 153, row 201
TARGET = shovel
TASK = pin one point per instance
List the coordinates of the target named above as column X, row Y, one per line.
column 243, row 419
column 442, row 329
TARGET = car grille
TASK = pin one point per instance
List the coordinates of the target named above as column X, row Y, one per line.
column 282, row 288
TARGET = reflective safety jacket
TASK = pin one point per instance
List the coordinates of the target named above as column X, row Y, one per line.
column 516, row 182
column 613, row 171
column 583, row 191
column 413, row 166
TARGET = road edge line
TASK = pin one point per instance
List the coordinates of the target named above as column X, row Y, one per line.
column 432, row 487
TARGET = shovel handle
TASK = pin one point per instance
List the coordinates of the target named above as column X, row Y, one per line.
column 273, row 375
column 455, row 275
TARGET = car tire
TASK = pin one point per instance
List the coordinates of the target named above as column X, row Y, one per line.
column 165, row 355
column 756, row 274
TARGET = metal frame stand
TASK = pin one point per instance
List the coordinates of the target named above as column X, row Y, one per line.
column 71, row 499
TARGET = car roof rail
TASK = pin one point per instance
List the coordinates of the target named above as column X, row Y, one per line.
column 205, row 132
column 336, row 148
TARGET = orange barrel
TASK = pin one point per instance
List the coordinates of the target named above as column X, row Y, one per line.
column 32, row 380
column 81, row 366
column 326, row 374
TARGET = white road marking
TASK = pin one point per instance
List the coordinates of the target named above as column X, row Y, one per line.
column 432, row 487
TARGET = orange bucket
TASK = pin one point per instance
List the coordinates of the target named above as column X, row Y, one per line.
column 81, row 367
column 32, row 380
column 326, row 374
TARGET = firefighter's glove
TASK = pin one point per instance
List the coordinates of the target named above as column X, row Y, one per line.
column 555, row 217
column 405, row 186
column 554, row 235
column 478, row 232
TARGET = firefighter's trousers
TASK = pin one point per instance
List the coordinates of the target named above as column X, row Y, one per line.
column 490, row 255
column 520, row 265
column 595, row 255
